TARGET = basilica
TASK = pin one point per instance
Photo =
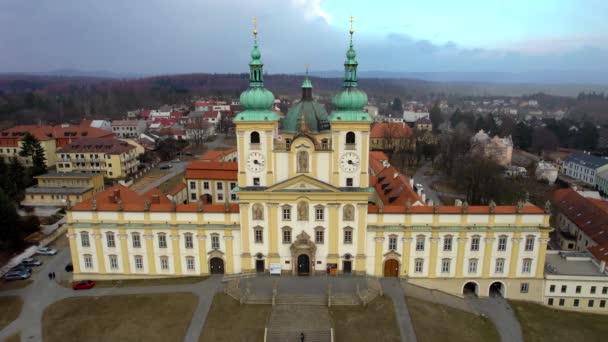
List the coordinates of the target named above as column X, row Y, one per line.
column 307, row 197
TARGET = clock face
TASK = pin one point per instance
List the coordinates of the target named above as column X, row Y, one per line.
column 349, row 162
column 255, row 162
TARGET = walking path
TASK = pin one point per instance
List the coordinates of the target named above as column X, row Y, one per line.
column 43, row 292
column 498, row 310
column 392, row 287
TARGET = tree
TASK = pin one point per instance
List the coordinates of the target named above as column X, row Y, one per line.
column 586, row 138
column 396, row 105
column 435, row 116
column 32, row 148
column 454, row 146
column 198, row 130
column 543, row 139
column 522, row 135
column 167, row 148
column 11, row 236
column 463, row 117
column 16, row 173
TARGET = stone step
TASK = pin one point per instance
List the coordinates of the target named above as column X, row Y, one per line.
column 258, row 301
column 345, row 300
column 295, row 336
column 301, row 300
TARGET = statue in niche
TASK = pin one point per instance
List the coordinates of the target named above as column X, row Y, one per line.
column 302, row 161
column 348, row 213
column 257, row 212
column 302, row 211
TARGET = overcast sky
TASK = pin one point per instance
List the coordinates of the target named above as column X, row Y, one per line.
column 189, row 36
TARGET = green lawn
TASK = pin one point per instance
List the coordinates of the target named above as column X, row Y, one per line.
column 438, row 323
column 541, row 323
column 376, row 322
column 229, row 321
column 170, row 184
column 11, row 308
column 13, row 338
column 149, row 317
column 14, row 285
column 143, row 282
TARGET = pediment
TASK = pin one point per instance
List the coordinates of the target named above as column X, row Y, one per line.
column 302, row 183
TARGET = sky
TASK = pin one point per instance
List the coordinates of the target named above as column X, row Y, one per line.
column 190, row 36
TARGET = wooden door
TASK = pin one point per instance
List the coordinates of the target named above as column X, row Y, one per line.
column 391, row 268
column 216, row 265
column 259, row 266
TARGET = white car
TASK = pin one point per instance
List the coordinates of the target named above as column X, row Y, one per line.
column 46, row 251
column 419, row 186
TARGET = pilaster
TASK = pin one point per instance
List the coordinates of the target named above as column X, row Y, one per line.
column 74, row 250
column 149, row 237
column 487, row 252
column 229, row 252
column 124, row 250
column 514, row 253
column 379, row 240
column 334, row 236
column 361, row 230
column 202, row 254
column 433, row 256
column 177, row 259
column 273, row 231
column 246, row 255
column 462, row 241
column 405, row 253
column 101, row 262
column 542, row 254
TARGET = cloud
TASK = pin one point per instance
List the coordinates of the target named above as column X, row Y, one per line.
column 186, row 36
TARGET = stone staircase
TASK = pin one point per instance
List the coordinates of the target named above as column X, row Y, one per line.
column 344, row 299
column 295, row 336
column 301, row 299
column 288, row 322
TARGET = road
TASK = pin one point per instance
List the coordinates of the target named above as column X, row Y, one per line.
column 218, row 143
column 425, row 180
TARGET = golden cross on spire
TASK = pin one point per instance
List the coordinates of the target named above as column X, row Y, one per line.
column 255, row 27
column 352, row 20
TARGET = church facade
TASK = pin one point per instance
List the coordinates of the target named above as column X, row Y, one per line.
column 308, row 197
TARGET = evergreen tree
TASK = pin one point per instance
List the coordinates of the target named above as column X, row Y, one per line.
column 10, row 234
column 435, row 116
column 397, row 105
column 32, row 148
column 16, row 174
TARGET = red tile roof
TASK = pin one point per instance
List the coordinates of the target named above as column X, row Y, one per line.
column 216, row 155
column 63, row 134
column 99, row 145
column 392, row 187
column 212, row 170
column 589, row 215
column 177, row 189
column 107, row 200
column 394, row 130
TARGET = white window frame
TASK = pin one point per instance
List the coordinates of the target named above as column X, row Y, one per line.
column 447, row 243
column 418, row 265
column 139, row 262
column 215, row 242
column 88, row 261
column 499, row 266
column 110, row 240
column 84, row 239
column 162, row 240
column 136, row 240
column 473, row 265
column 502, row 243
column 445, row 265
column 188, row 241
column 113, row 261
column 190, row 263
column 475, row 239
column 164, row 263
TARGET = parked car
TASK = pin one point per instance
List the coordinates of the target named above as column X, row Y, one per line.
column 69, row 267
column 16, row 275
column 166, row 167
column 21, row 268
column 46, row 251
column 83, row 285
column 31, row 262
column 176, row 161
column 419, row 186
column 189, row 154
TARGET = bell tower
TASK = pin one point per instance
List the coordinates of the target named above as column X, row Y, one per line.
column 350, row 126
column 256, row 126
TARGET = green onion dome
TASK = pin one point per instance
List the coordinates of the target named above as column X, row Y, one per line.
column 350, row 98
column 257, row 98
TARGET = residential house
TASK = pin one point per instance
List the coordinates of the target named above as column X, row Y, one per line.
column 391, row 136
column 496, row 148
column 63, row 189
column 584, row 166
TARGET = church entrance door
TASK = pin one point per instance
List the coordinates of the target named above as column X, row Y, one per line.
column 347, row 266
column 217, row 265
column 259, row 266
column 391, row 268
column 303, row 265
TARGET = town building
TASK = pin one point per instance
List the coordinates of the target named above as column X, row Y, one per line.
column 546, row 171
column 584, row 166
column 229, row 155
column 410, row 117
column 312, row 199
column 128, row 128
column 495, row 148
column 576, row 281
column 423, row 125
column 392, row 136
column 212, row 182
column 51, row 138
column 581, row 222
column 62, row 189
column 113, row 158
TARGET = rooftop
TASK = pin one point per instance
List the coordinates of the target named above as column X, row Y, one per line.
column 212, row 170
column 69, row 175
column 56, row 190
column 586, row 159
column 46, row 132
column 572, row 264
column 97, row 145
column 390, row 130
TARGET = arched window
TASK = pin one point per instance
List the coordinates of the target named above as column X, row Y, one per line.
column 473, row 265
column 255, row 138
column 350, row 138
column 84, row 239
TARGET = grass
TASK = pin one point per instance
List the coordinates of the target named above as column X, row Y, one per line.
column 11, row 308
column 540, row 323
column 376, row 322
column 143, row 282
column 435, row 322
column 171, row 183
column 14, row 285
column 149, row 317
column 228, row 321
